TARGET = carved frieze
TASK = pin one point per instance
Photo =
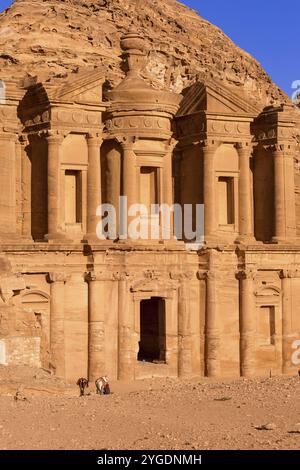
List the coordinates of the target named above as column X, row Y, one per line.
column 182, row 276
column 144, row 124
column 203, row 127
column 228, row 128
column 78, row 118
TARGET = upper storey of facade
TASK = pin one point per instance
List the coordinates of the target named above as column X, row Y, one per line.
column 67, row 149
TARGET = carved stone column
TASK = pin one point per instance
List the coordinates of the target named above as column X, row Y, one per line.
column 290, row 195
column 284, row 191
column 184, row 327
column 8, row 186
column 212, row 328
column 209, row 186
column 129, row 183
column 168, row 183
column 279, row 203
column 288, row 335
column 247, row 322
column 26, row 188
column 57, row 319
column 54, row 192
column 93, row 185
column 96, row 357
column 19, row 217
column 125, row 331
column 245, row 197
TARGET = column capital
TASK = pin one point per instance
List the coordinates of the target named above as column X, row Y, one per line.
column 289, row 273
column 54, row 138
column 127, row 142
column 246, row 274
column 172, row 144
column 94, row 140
column 210, row 145
column 202, row 275
column 207, row 275
column 58, row 277
column 282, row 149
column 120, row 276
column 95, row 276
column 8, row 136
column 23, row 140
column 244, row 148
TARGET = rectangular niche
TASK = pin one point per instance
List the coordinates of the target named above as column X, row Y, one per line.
column 148, row 187
column 73, row 209
column 226, row 200
column 266, row 326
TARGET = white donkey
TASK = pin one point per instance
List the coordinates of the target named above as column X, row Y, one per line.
column 102, row 386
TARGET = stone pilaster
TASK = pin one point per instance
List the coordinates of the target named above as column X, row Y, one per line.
column 245, row 196
column 209, row 193
column 8, row 206
column 288, row 335
column 129, row 177
column 57, row 320
column 19, row 217
column 93, row 185
column 25, row 188
column 284, row 191
column 247, row 322
column 168, row 183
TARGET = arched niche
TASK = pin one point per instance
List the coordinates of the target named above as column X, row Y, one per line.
column 268, row 316
column 75, row 150
column 35, row 304
column 226, row 159
column 35, row 297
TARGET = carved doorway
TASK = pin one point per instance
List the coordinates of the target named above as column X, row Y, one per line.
column 152, row 344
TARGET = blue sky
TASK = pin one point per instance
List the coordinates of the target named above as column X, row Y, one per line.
column 264, row 28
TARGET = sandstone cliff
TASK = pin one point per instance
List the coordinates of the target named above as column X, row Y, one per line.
column 53, row 38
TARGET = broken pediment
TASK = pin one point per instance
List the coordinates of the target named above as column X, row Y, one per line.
column 214, row 97
column 85, row 88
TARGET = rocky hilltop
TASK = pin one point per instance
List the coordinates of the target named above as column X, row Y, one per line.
column 54, row 38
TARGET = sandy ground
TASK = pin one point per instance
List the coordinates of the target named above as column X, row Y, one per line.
column 151, row 414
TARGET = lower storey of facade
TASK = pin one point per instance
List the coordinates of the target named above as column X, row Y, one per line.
column 137, row 312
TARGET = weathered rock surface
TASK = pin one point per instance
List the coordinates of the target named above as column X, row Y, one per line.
column 53, row 38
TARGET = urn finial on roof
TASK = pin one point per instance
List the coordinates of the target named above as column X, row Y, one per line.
column 134, row 51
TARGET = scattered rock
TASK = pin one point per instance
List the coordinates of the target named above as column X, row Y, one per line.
column 223, row 399
column 266, row 427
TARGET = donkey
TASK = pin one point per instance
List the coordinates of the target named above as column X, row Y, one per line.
column 82, row 384
column 102, row 386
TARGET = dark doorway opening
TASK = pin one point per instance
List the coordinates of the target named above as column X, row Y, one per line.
column 152, row 345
